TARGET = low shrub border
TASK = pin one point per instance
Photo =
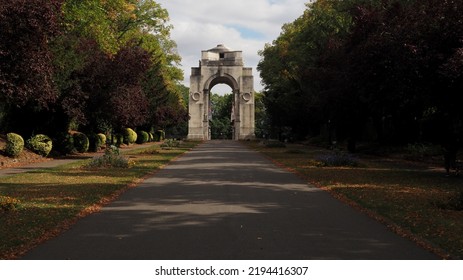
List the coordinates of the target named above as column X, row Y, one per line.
column 40, row 144
column 142, row 137
column 130, row 136
column 81, row 142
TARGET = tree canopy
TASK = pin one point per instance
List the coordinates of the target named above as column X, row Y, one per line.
column 220, row 123
column 92, row 65
column 381, row 70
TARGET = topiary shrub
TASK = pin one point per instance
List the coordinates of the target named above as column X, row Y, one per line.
column 160, row 135
column 81, row 142
column 142, row 137
column 117, row 140
column 130, row 136
column 66, row 144
column 113, row 140
column 40, row 144
column 102, row 139
column 14, row 145
column 95, row 143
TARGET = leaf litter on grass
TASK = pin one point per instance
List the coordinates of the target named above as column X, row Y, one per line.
column 397, row 192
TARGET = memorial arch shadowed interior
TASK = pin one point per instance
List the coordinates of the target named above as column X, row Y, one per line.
column 221, row 65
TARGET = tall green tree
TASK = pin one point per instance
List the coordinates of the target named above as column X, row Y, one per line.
column 115, row 30
column 263, row 127
column 295, row 66
column 346, row 67
column 220, row 123
column 92, row 65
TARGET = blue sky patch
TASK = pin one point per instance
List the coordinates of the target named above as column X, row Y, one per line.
column 248, row 33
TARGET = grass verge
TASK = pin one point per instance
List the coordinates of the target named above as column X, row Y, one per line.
column 51, row 200
column 413, row 199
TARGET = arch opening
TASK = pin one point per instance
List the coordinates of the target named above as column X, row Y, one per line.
column 221, row 119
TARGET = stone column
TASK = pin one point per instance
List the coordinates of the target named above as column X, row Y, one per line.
column 237, row 125
column 195, row 123
column 206, row 102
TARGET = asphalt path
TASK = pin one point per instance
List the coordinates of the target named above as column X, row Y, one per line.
column 225, row 201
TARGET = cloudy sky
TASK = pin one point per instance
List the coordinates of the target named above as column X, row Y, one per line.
column 238, row 24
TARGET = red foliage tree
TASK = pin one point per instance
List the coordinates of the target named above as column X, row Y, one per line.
column 108, row 90
column 129, row 106
column 25, row 61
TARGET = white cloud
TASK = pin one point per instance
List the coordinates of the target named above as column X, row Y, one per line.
column 239, row 24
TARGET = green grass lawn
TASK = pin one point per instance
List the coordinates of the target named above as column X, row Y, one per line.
column 414, row 199
column 51, row 200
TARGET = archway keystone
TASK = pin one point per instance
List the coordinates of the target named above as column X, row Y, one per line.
column 221, row 65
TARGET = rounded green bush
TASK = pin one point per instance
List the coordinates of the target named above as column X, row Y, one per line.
column 113, row 140
column 81, row 142
column 14, row 145
column 117, row 140
column 130, row 136
column 40, row 144
column 66, row 144
column 160, row 135
column 142, row 137
column 102, row 138
column 95, row 143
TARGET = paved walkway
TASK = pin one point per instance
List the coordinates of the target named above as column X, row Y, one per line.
column 224, row 201
column 35, row 166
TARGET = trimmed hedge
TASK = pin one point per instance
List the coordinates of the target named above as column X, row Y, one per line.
column 159, row 135
column 95, row 143
column 66, row 144
column 40, row 144
column 102, row 138
column 117, row 140
column 14, row 145
column 81, row 142
column 130, row 136
column 142, row 137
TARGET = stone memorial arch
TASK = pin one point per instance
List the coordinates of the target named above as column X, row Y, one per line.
column 221, row 65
